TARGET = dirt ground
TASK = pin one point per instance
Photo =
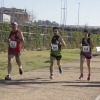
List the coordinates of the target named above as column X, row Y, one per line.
column 36, row 85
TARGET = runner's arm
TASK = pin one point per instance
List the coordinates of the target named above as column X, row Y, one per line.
column 80, row 46
column 62, row 42
column 21, row 37
column 50, row 44
column 91, row 44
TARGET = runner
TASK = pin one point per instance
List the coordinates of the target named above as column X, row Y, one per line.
column 86, row 46
column 14, row 49
column 56, row 43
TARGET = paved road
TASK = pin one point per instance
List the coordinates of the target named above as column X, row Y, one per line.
column 36, row 85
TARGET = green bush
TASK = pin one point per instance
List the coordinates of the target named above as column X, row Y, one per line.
column 37, row 38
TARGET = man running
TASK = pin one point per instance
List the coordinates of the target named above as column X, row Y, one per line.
column 56, row 43
column 14, row 49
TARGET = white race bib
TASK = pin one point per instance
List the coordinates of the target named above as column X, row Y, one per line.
column 85, row 49
column 13, row 44
column 54, row 47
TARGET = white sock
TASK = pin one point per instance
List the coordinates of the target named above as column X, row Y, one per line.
column 9, row 75
column 20, row 67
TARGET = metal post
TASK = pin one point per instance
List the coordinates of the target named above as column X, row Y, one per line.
column 78, row 13
column 61, row 14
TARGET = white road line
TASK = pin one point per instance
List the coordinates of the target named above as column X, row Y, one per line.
column 98, row 98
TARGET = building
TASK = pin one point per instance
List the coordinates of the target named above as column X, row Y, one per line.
column 19, row 15
column 4, row 18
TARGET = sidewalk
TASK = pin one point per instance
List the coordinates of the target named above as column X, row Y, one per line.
column 36, row 85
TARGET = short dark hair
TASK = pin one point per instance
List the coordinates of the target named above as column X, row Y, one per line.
column 55, row 28
column 86, row 31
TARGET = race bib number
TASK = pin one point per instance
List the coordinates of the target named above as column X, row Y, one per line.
column 85, row 49
column 54, row 47
column 13, row 44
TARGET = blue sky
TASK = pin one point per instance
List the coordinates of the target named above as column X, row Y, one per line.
column 89, row 12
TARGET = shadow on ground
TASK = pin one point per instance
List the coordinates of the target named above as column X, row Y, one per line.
column 77, row 83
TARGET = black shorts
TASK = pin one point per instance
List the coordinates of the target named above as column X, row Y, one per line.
column 57, row 57
column 16, row 54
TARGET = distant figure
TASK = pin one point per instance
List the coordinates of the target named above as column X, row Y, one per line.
column 56, row 43
column 86, row 47
column 14, row 49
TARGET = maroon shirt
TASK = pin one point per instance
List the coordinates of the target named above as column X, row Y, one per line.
column 16, row 48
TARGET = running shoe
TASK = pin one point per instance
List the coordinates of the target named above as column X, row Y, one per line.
column 88, row 78
column 7, row 77
column 60, row 70
column 51, row 77
column 20, row 71
column 81, row 76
